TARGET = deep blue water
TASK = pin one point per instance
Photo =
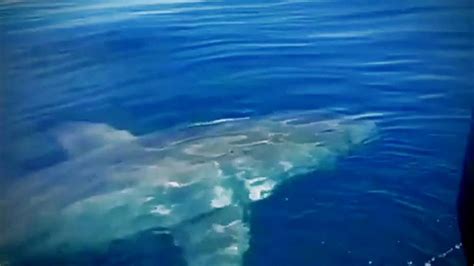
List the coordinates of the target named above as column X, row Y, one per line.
column 144, row 66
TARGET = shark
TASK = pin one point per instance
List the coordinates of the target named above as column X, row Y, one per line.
column 195, row 181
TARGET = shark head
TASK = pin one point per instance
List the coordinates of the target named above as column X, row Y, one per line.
column 362, row 132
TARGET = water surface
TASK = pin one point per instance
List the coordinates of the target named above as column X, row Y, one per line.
column 145, row 66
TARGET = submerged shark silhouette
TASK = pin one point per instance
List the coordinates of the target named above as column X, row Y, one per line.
column 195, row 181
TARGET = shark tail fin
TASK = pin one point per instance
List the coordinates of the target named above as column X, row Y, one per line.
column 78, row 138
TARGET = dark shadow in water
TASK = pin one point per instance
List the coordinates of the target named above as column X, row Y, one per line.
column 149, row 247
column 466, row 198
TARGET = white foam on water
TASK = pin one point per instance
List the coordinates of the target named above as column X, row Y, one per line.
column 219, row 121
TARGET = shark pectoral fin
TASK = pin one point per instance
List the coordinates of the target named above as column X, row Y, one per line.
column 216, row 239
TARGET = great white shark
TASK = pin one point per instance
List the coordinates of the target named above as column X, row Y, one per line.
column 196, row 181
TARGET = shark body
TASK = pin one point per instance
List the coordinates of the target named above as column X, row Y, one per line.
column 195, row 181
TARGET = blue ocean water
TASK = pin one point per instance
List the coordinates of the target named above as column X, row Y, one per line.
column 146, row 66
